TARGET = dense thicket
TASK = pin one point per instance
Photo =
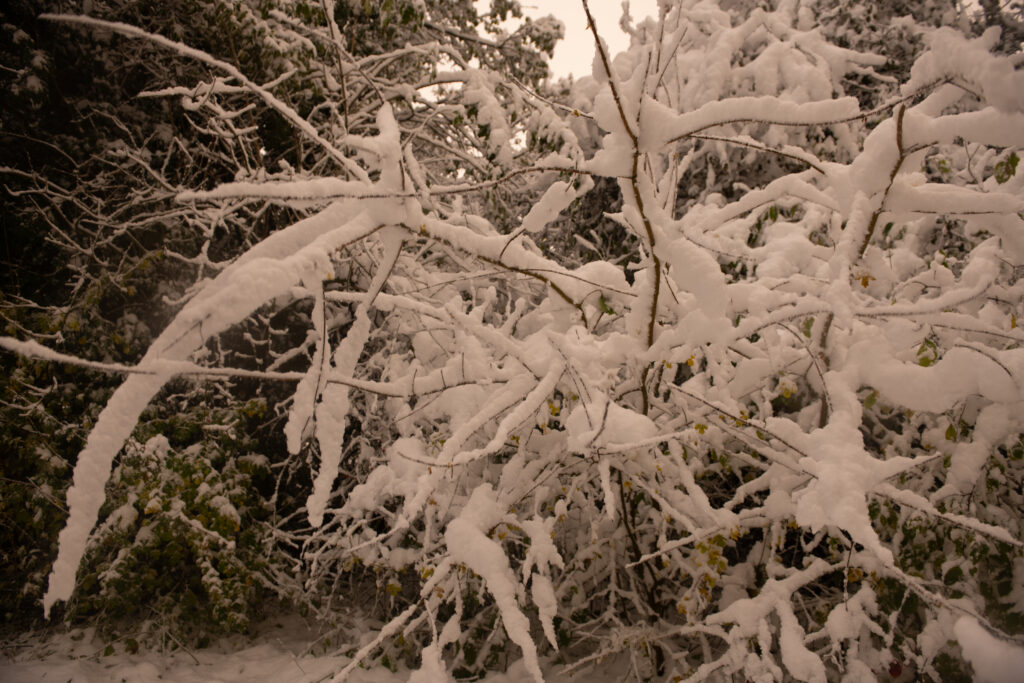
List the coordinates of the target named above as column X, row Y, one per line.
column 705, row 364
column 98, row 255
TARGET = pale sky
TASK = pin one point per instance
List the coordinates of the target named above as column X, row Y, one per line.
column 575, row 53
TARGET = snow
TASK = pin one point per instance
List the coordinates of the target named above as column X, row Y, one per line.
column 554, row 201
column 845, row 621
column 306, row 189
column 405, row 474
column 479, row 92
column 994, row 660
column 803, row 664
column 528, row 404
column 468, row 544
column 665, row 125
column 951, row 54
column 917, row 502
column 602, row 421
column 229, row 298
column 432, row 669
column 844, row 474
column 86, row 495
column 331, row 416
column 958, row 374
column 543, row 594
column 281, row 650
column 278, row 655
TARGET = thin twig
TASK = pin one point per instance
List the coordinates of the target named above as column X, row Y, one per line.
column 638, row 198
column 268, row 98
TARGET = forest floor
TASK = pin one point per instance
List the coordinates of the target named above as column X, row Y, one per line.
column 278, row 652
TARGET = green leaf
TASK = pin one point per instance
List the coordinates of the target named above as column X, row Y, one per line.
column 952, row 576
column 1017, row 452
column 1006, row 168
column 806, row 326
column 927, row 353
column 950, row 433
column 602, row 303
column 773, row 213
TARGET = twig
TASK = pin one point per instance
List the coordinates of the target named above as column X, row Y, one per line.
column 269, row 98
column 758, row 146
column 638, row 198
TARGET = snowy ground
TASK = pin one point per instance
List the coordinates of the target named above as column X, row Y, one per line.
column 277, row 655
column 260, row 663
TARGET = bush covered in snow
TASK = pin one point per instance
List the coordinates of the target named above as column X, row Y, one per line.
column 775, row 434
column 184, row 543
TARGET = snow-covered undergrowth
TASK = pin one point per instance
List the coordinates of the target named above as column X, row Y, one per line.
column 779, row 437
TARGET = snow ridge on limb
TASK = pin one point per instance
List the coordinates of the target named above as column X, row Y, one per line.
column 113, row 427
column 468, row 544
column 665, row 126
column 332, row 411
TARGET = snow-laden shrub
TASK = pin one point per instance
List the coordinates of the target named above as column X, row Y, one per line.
column 755, row 448
column 182, row 549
